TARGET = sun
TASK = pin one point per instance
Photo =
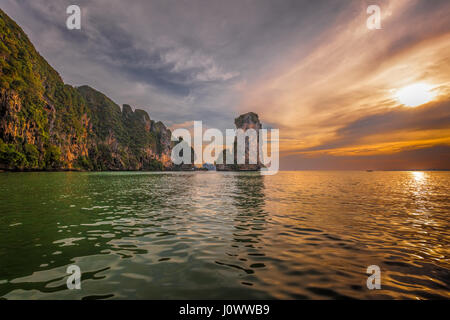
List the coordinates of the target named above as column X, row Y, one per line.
column 415, row 95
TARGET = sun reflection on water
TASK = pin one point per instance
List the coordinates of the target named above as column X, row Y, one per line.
column 294, row 235
column 419, row 176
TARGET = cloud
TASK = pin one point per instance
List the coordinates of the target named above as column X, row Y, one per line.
column 435, row 157
column 339, row 97
column 310, row 68
column 125, row 48
column 405, row 121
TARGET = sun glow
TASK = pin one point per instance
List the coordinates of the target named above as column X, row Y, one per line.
column 418, row 176
column 415, row 95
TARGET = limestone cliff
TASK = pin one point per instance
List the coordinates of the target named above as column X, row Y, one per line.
column 245, row 122
column 48, row 125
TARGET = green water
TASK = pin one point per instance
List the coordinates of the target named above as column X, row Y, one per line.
column 295, row 235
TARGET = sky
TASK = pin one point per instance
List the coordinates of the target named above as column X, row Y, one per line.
column 311, row 69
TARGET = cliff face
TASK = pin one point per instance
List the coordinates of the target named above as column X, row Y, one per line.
column 124, row 139
column 165, row 145
column 245, row 122
column 46, row 124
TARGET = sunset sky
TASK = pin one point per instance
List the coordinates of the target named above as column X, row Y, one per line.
column 343, row 96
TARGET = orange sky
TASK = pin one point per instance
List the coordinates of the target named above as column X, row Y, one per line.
column 309, row 68
column 338, row 101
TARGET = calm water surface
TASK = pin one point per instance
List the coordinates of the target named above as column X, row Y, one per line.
column 295, row 235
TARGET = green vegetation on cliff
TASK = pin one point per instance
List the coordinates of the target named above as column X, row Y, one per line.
column 47, row 125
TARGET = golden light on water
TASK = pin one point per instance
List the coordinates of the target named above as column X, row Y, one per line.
column 418, row 176
column 415, row 95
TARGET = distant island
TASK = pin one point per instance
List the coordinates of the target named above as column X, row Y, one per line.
column 244, row 122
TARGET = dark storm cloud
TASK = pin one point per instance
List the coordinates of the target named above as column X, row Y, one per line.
column 186, row 56
column 106, row 42
column 433, row 116
column 426, row 13
column 437, row 157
